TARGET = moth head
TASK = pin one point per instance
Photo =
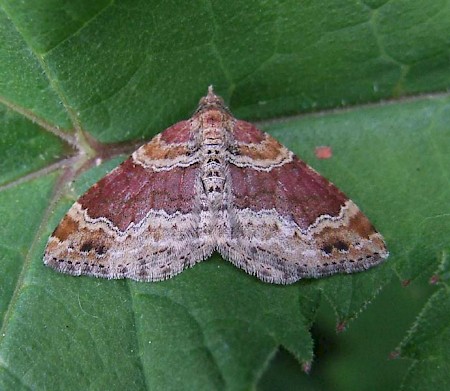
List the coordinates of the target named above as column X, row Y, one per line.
column 211, row 101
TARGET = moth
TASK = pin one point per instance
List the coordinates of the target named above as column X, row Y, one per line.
column 214, row 183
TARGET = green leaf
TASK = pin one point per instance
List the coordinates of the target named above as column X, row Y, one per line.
column 116, row 71
column 42, row 149
column 427, row 341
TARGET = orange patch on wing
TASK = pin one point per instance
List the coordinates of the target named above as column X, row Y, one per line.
column 361, row 224
column 67, row 227
column 268, row 149
column 157, row 150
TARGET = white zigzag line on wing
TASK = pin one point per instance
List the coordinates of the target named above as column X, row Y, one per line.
column 151, row 215
column 254, row 163
column 132, row 226
column 306, row 233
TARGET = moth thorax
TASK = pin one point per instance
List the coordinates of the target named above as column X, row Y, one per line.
column 213, row 172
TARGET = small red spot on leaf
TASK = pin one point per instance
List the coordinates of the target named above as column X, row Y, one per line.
column 323, row 152
column 434, row 279
column 306, row 367
column 340, row 327
column 394, row 355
